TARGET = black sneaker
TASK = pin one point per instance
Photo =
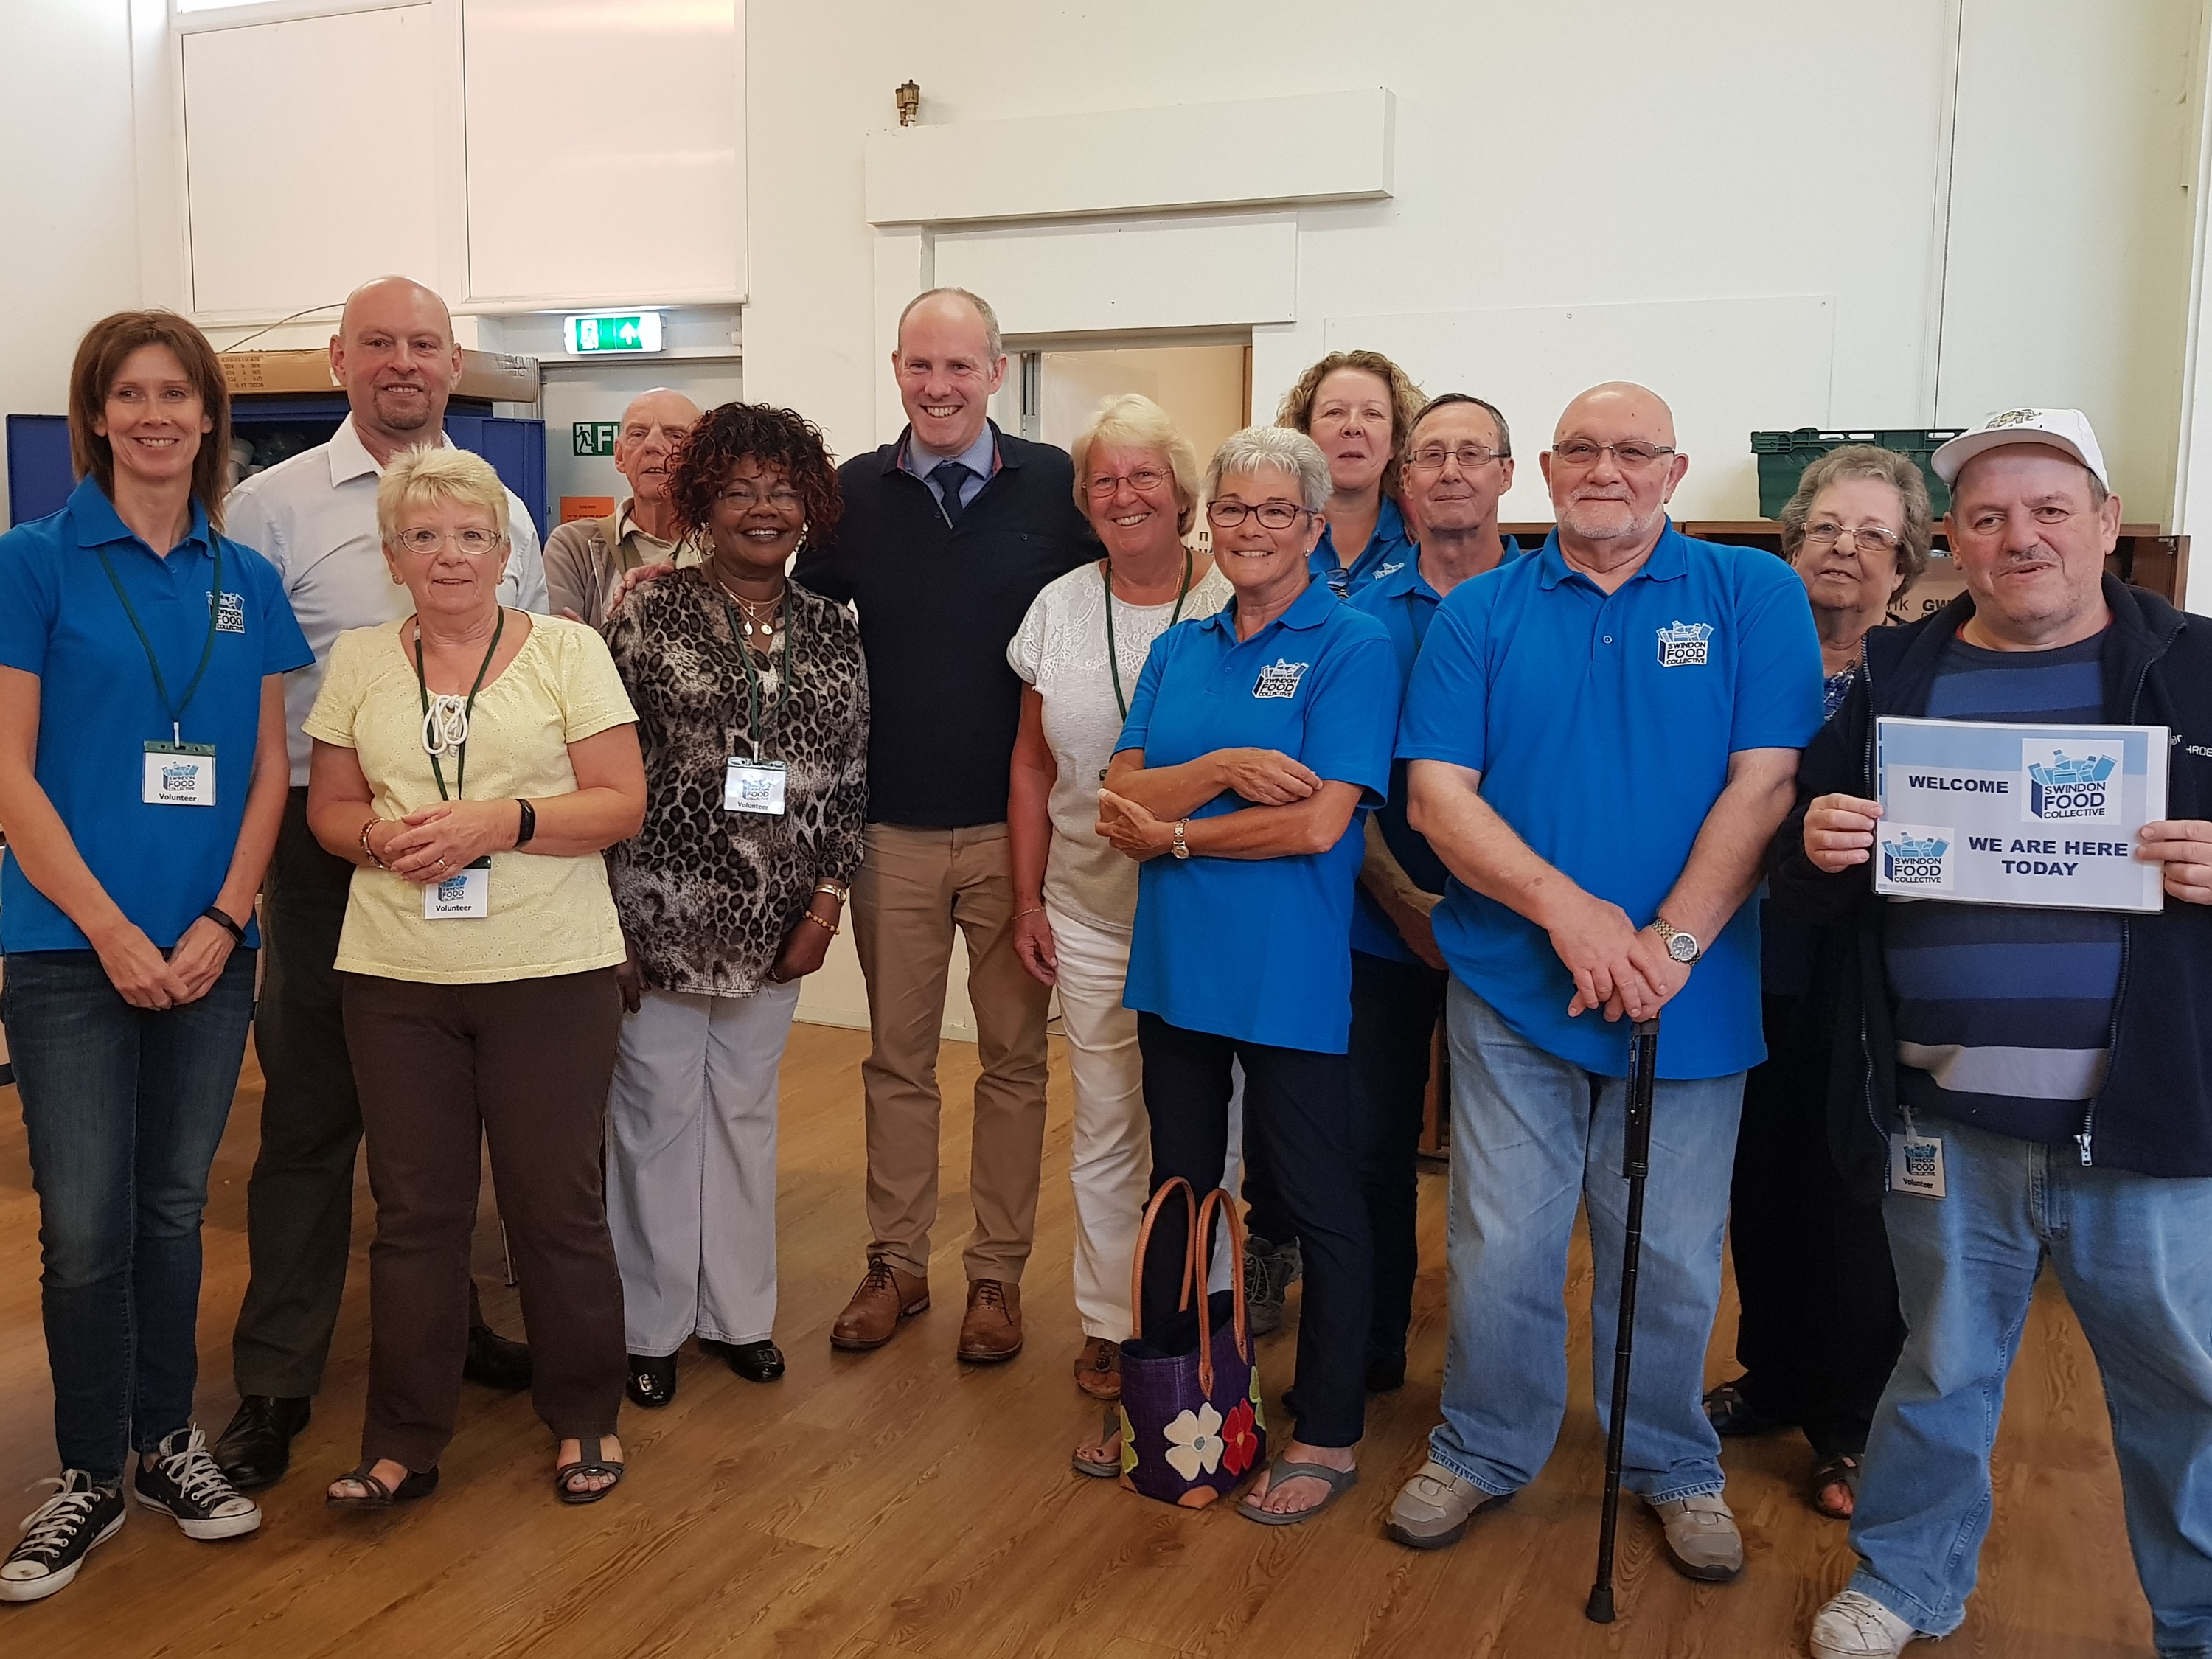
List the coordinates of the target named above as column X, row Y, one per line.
column 57, row 1536
column 184, row 1483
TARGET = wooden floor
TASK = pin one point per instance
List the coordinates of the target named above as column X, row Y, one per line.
column 891, row 1504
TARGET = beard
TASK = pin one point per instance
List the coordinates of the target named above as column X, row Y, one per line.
column 408, row 414
column 1607, row 518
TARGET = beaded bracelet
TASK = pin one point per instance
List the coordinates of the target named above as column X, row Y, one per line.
column 369, row 852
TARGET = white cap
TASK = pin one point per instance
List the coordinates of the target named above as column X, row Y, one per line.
column 2061, row 429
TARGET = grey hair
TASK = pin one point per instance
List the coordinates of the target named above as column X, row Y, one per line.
column 1286, row 449
column 995, row 343
column 1446, row 400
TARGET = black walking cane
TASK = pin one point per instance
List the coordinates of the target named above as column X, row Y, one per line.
column 1636, row 1165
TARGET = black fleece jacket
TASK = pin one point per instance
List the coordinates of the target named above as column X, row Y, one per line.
column 2154, row 1114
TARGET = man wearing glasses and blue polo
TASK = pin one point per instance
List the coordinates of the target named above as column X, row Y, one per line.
column 1602, row 793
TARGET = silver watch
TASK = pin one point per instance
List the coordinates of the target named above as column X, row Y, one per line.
column 1681, row 946
column 1179, row 847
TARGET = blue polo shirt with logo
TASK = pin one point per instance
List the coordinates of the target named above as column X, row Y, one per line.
column 1391, row 547
column 60, row 619
column 1402, row 600
column 1256, row 949
column 1602, row 725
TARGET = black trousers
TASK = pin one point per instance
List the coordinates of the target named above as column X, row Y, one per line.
column 298, row 1199
column 1297, row 1109
column 1820, row 1330
column 1394, row 1005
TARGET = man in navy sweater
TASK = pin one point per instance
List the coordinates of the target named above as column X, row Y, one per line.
column 948, row 534
column 2050, row 1068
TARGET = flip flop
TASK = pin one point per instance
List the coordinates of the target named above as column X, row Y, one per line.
column 1339, row 1481
column 1103, row 1471
column 590, row 1463
column 419, row 1483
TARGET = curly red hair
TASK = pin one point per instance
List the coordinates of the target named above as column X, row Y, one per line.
column 778, row 438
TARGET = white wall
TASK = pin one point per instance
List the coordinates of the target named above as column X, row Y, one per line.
column 68, row 189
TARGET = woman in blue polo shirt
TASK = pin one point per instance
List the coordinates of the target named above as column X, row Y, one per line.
column 142, row 778
column 1253, row 739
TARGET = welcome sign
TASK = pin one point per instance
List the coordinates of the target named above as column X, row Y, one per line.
column 1987, row 813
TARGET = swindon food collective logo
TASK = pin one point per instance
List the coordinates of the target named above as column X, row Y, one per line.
column 2078, row 788
column 180, row 777
column 1685, row 645
column 1916, row 857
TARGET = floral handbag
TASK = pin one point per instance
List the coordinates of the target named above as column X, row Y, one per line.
column 1191, row 1422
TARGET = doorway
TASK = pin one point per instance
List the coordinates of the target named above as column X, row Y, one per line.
column 1050, row 395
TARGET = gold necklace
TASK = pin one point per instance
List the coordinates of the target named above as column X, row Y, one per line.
column 759, row 627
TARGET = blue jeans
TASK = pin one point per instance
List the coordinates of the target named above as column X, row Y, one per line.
column 2134, row 1253
column 123, row 1107
column 1532, row 1135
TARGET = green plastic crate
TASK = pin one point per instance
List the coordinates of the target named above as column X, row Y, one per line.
column 1784, row 457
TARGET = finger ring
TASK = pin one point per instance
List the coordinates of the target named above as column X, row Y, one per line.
column 441, row 863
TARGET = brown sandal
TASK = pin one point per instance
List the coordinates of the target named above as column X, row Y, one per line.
column 590, row 1463
column 375, row 1495
column 1841, row 1470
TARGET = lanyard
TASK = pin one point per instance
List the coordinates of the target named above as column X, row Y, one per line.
column 174, row 711
column 752, row 674
column 442, row 734
column 1113, row 651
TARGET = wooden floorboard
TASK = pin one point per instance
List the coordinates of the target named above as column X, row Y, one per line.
column 897, row 1505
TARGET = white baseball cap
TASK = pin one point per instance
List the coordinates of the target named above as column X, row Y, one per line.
column 2061, row 429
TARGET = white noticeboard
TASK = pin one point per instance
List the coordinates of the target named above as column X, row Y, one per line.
column 1990, row 813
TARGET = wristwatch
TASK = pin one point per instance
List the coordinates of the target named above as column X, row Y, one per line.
column 1180, row 849
column 1681, row 946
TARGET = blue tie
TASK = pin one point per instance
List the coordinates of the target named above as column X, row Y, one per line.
column 948, row 477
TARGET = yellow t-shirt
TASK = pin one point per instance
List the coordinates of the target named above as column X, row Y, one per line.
column 549, row 915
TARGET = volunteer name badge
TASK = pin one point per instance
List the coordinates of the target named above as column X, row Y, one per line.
column 754, row 786
column 464, row 895
column 179, row 775
column 1983, row 812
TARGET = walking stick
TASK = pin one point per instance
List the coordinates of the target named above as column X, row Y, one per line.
column 1636, row 1165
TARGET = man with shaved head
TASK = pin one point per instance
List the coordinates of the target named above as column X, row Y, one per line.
column 1601, row 740
column 314, row 518
column 949, row 532
column 586, row 560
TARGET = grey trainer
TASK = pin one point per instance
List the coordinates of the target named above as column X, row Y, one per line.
column 1702, row 1540
column 1433, row 1508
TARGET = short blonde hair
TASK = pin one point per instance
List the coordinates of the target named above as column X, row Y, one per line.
column 417, row 477
column 1284, row 448
column 1136, row 421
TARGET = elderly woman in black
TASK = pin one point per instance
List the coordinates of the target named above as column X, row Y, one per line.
column 752, row 708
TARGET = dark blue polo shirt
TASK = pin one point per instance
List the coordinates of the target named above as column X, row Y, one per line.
column 1390, row 548
column 1403, row 602
column 1257, row 948
column 61, row 620
column 1602, row 725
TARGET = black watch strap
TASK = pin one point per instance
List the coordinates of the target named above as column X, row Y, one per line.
column 529, row 828
column 217, row 914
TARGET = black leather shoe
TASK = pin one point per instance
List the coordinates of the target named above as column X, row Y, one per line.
column 652, row 1380
column 495, row 1362
column 756, row 1362
column 256, row 1449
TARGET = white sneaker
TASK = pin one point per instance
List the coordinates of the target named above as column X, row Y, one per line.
column 1854, row 1625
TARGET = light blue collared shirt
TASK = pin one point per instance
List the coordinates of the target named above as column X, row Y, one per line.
column 980, row 458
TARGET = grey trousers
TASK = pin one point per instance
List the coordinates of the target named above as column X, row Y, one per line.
column 692, row 1165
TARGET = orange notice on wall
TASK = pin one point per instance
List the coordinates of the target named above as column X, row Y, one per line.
column 586, row 507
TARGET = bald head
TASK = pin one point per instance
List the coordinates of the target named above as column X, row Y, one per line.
column 1611, row 468
column 394, row 355
column 948, row 361
column 655, row 422
column 1615, row 402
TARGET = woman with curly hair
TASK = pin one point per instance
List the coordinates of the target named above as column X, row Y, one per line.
column 752, row 708
column 1359, row 407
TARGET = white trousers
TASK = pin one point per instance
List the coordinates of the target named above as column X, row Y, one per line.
column 1111, row 1159
column 692, row 1165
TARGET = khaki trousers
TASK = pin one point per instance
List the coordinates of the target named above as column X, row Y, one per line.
column 912, row 887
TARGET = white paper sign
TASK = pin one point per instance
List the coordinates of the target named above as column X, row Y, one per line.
column 1985, row 813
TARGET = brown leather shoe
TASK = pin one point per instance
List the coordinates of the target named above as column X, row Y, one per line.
column 993, row 1328
column 1098, row 1369
column 886, row 1296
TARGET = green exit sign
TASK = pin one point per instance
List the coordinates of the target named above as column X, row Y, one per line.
column 595, row 437
column 616, row 333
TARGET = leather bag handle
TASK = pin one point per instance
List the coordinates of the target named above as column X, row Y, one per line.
column 1145, row 1245
column 1219, row 1199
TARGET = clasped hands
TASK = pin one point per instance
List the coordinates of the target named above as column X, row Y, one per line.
column 1618, row 967
column 1264, row 777
column 431, row 843
column 1839, row 833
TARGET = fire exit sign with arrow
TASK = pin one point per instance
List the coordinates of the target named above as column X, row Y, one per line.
column 621, row 333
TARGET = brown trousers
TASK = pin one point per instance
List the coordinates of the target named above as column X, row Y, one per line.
column 523, row 1064
column 912, row 887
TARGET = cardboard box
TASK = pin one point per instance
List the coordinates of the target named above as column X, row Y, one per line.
column 493, row 375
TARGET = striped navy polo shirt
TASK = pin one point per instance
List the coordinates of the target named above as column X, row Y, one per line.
column 2004, row 1016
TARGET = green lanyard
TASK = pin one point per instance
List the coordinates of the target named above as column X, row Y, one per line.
column 174, row 711
column 1113, row 653
column 422, row 685
column 752, row 674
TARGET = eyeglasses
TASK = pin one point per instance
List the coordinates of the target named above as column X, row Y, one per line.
column 1628, row 457
column 782, row 497
column 472, row 542
column 1430, row 457
column 1143, row 479
column 1272, row 515
column 1868, row 538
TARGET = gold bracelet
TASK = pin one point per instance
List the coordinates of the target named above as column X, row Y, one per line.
column 818, row 922
column 369, row 852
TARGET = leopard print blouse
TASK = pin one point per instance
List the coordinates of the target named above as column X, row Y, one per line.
column 706, row 895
